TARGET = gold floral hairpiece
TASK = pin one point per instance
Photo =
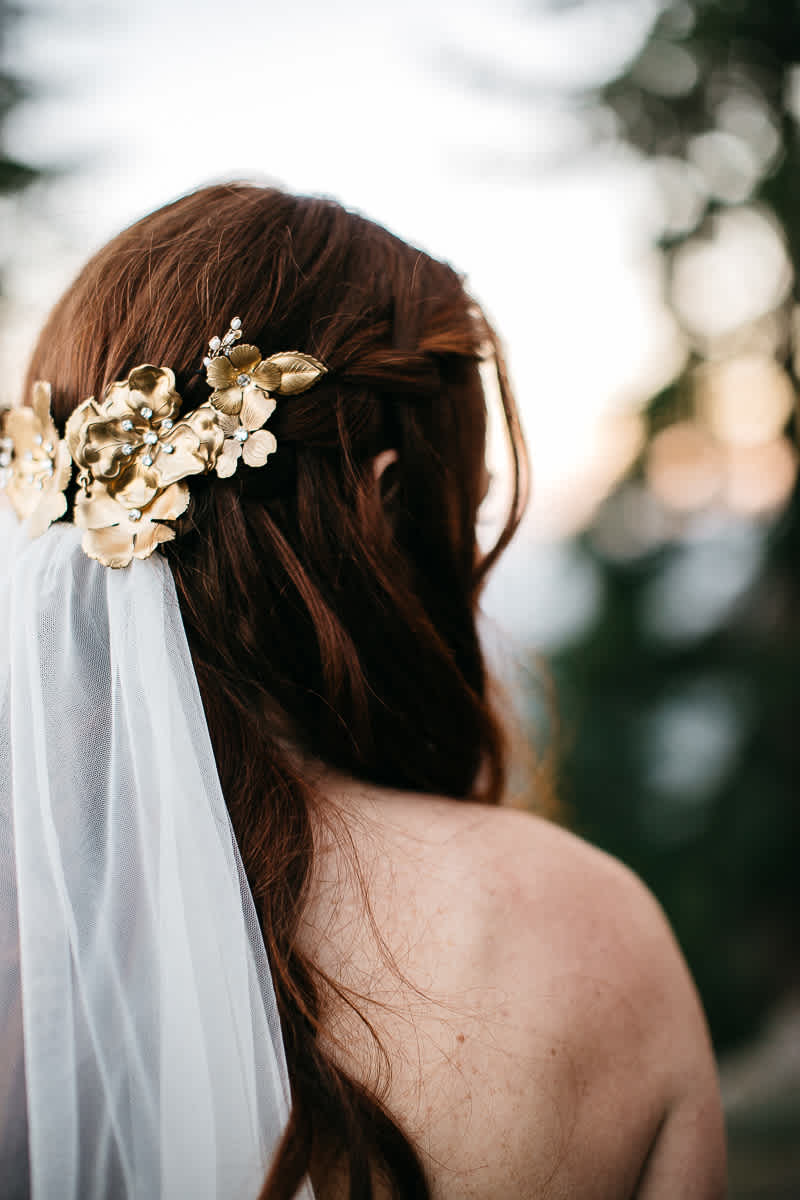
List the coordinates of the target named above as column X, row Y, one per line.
column 134, row 449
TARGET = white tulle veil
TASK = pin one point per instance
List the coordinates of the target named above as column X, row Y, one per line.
column 140, row 1049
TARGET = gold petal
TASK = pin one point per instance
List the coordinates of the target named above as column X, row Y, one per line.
column 196, row 441
column 63, row 467
column 168, row 504
column 40, row 403
column 103, row 440
column 205, row 423
column 111, row 547
column 267, row 375
column 151, row 380
column 117, row 401
column 228, row 422
column 258, row 447
column 23, row 497
column 98, row 511
column 220, row 374
column 139, row 488
column 298, row 371
column 185, row 460
column 154, row 387
column 21, row 426
column 149, row 537
column 228, row 459
column 76, row 425
column 227, row 401
column 52, row 506
column 257, row 406
column 244, row 358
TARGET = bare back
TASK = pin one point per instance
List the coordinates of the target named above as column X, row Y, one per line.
column 540, row 1033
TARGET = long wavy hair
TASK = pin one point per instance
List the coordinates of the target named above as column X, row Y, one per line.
column 330, row 614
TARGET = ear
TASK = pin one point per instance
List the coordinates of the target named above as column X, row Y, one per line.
column 381, row 461
column 386, row 482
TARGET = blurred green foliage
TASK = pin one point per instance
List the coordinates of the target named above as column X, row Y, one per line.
column 14, row 175
column 682, row 754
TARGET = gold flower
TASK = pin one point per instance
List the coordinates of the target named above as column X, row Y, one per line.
column 135, row 434
column 117, row 531
column 135, row 429
column 243, row 440
column 133, row 451
column 35, row 462
column 243, row 381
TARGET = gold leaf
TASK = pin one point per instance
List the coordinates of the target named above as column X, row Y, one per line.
column 298, row 371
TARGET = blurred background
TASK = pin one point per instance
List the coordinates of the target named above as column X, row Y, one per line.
column 620, row 179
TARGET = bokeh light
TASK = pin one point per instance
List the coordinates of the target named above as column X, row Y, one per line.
column 745, row 401
column 731, row 273
column 685, row 467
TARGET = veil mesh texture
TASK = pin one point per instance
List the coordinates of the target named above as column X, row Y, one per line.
column 140, row 1047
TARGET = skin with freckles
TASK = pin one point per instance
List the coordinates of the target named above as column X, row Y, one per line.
column 541, row 1034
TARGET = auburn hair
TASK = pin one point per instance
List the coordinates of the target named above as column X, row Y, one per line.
column 328, row 612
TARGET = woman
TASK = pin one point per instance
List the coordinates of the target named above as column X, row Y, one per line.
column 472, row 1002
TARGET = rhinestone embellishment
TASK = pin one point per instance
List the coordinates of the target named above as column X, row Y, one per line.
column 221, row 345
column 125, row 508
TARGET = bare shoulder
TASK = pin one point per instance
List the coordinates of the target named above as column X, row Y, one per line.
column 542, row 1029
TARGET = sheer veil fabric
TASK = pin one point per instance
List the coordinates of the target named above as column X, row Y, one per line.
column 140, row 1048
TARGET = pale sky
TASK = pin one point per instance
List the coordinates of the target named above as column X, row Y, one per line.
column 374, row 105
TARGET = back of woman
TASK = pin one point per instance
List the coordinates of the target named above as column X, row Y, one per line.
column 470, row 1002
